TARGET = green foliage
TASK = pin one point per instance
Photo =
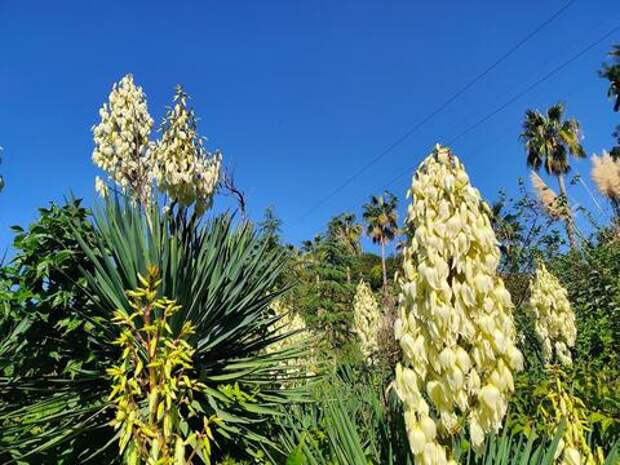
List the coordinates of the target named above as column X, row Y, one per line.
column 596, row 389
column 271, row 226
column 525, row 233
column 41, row 289
column 353, row 420
column 222, row 278
column 344, row 231
column 324, row 293
column 593, row 284
column 591, row 279
column 46, row 326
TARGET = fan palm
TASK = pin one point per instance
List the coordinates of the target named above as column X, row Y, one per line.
column 224, row 281
column 380, row 215
column 612, row 74
column 549, row 142
column 344, row 230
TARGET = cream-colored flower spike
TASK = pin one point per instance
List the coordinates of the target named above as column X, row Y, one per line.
column 289, row 323
column 455, row 325
column 554, row 318
column 184, row 170
column 293, row 325
column 367, row 318
column 122, row 140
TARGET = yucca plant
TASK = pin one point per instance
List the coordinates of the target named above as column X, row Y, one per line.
column 223, row 280
column 336, row 437
column 353, row 420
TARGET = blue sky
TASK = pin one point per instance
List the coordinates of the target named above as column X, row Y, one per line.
column 297, row 94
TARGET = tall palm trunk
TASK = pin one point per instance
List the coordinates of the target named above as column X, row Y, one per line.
column 383, row 265
column 570, row 223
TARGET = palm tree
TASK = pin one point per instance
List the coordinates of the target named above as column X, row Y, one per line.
column 611, row 72
column 380, row 215
column 345, row 231
column 549, row 141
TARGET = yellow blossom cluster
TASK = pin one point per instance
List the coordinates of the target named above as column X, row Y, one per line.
column 554, row 318
column 184, row 170
column 153, row 388
column 367, row 318
column 122, row 147
column 455, row 324
column 573, row 448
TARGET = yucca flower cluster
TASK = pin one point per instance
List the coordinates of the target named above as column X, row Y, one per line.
column 295, row 335
column 554, row 318
column 555, row 328
column 184, row 170
column 122, row 147
column 455, row 325
column 291, row 325
column 178, row 163
column 367, row 316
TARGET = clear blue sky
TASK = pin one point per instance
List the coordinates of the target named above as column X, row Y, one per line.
column 297, row 94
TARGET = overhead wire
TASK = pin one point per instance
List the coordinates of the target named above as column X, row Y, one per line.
column 436, row 111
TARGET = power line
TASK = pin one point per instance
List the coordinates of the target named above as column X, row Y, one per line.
column 436, row 111
column 516, row 97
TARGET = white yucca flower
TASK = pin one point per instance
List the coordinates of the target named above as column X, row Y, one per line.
column 367, row 316
column 178, row 162
column 554, row 318
column 291, row 325
column 122, row 140
column 184, row 169
column 606, row 177
column 296, row 334
column 547, row 197
column 455, row 324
